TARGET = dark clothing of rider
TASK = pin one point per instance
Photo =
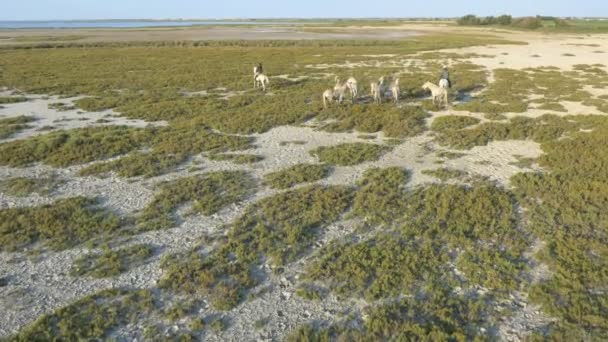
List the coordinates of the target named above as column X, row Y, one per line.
column 445, row 75
column 259, row 69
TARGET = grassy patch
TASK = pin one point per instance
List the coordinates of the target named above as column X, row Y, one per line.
column 236, row 158
column 66, row 148
column 24, row 186
column 394, row 122
column 111, row 263
column 452, row 122
column 208, row 193
column 436, row 314
column 349, row 154
column 566, row 207
column 474, row 228
column 61, row 106
column 12, row 99
column 63, row 224
column 11, row 126
column 280, row 229
column 297, row 174
column 444, row 174
column 450, row 155
column 541, row 129
column 380, row 198
column 136, row 164
column 91, row 318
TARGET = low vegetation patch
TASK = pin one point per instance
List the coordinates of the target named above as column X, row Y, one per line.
column 91, row 318
column 137, row 164
column 12, row 99
column 566, row 207
column 63, row 224
column 444, row 174
column 236, row 158
column 452, row 122
column 350, row 154
column 111, row 263
column 297, row 174
column 24, row 186
column 278, row 229
column 474, row 228
column 394, row 121
column 435, row 314
column 381, row 195
column 11, row 126
column 208, row 193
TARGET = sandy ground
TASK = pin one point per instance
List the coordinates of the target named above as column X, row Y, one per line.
column 40, row 284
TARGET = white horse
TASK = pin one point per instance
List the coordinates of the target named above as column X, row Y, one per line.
column 378, row 90
column 351, row 83
column 395, row 90
column 440, row 95
column 256, row 71
column 262, row 81
column 340, row 90
column 328, row 97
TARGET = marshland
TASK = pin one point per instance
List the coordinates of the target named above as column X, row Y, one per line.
column 149, row 192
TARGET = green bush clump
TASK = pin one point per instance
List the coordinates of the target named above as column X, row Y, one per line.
column 453, row 122
column 297, row 174
column 444, row 174
column 436, row 314
column 279, row 228
column 283, row 226
column 137, row 164
column 567, row 209
column 216, row 276
column 24, row 186
column 381, row 195
column 349, row 154
column 472, row 227
column 76, row 146
column 10, row 126
column 236, row 158
column 60, row 225
column 111, row 263
column 208, row 192
column 12, row 99
column 91, row 318
column 405, row 121
column 541, row 129
column 382, row 267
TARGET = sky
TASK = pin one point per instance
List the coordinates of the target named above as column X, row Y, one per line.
column 207, row 9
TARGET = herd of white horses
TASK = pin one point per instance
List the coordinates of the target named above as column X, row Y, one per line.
column 379, row 89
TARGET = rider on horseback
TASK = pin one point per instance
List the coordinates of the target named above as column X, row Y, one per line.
column 445, row 75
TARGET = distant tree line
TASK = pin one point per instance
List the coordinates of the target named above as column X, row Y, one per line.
column 507, row 20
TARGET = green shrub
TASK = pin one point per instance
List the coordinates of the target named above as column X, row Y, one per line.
column 280, row 228
column 11, row 126
column 137, row 164
column 209, row 193
column 237, row 158
column 452, row 122
column 60, row 225
column 111, row 263
column 65, row 148
column 349, row 154
column 444, row 174
column 24, row 186
column 300, row 173
column 381, row 195
column 91, row 318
